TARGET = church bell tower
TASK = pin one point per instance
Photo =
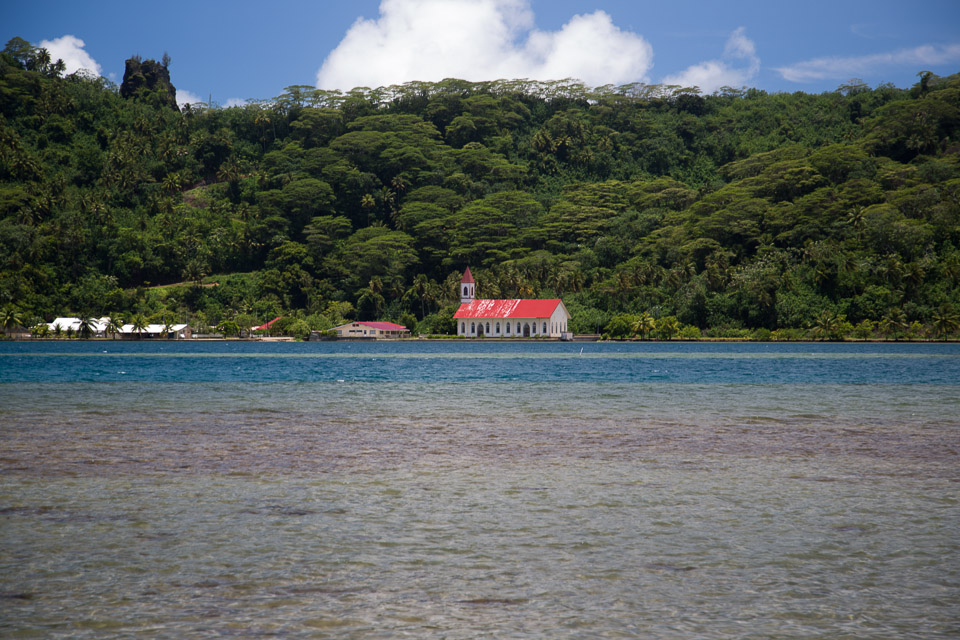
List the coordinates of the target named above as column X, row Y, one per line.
column 467, row 287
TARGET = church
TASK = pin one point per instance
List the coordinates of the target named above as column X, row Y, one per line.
column 508, row 318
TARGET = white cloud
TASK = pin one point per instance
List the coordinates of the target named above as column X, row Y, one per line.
column 186, row 97
column 235, row 102
column 430, row 40
column 711, row 75
column 70, row 50
column 842, row 68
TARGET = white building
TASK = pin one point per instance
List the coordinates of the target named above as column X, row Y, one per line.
column 98, row 326
column 155, row 331
column 511, row 318
column 371, row 330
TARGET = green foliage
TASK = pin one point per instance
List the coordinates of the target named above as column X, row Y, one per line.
column 734, row 214
column 619, row 327
column 228, row 328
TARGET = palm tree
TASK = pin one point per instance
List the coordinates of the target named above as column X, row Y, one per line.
column 167, row 328
column 945, row 321
column 57, row 330
column 668, row 328
column 423, row 290
column 893, row 324
column 139, row 323
column 856, row 218
column 42, row 60
column 11, row 318
column 114, row 326
column 262, row 121
column 85, row 327
column 825, row 325
column 644, row 325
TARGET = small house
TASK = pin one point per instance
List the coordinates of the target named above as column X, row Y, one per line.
column 371, row 330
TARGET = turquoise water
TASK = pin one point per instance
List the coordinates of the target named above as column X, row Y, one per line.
column 451, row 490
column 432, row 362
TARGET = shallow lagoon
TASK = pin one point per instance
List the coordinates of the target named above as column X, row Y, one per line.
column 453, row 490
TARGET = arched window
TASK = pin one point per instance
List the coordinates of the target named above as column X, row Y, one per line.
column 544, row 324
column 519, row 330
column 464, row 292
column 507, row 325
column 487, row 328
column 498, row 327
column 463, row 327
column 473, row 326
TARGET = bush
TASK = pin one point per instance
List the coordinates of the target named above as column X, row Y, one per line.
column 689, row 332
column 863, row 330
column 299, row 329
column 409, row 321
column 788, row 335
column 729, row 332
column 620, row 327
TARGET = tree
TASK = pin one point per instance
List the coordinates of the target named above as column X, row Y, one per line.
column 85, row 328
column 620, row 327
column 422, row 290
column 831, row 326
column 228, row 328
column 894, row 324
column 378, row 252
column 864, row 329
column 21, row 51
column 11, row 318
column 114, row 326
column 945, row 321
column 139, row 324
column 371, row 301
column 409, row 321
column 644, row 325
column 667, row 328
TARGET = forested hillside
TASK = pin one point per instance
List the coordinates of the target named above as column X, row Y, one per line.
column 646, row 208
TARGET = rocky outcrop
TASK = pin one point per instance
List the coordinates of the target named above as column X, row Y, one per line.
column 148, row 79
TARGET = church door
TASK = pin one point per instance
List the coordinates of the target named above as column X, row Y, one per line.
column 526, row 330
column 479, row 329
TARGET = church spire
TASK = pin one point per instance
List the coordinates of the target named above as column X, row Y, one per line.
column 467, row 287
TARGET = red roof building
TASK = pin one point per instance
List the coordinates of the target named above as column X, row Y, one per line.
column 515, row 318
column 267, row 325
column 371, row 330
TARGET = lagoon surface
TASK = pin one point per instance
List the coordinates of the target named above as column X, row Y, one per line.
column 462, row 490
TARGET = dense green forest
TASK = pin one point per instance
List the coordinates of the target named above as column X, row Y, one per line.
column 650, row 210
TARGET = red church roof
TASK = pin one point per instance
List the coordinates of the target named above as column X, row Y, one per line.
column 467, row 277
column 507, row 308
column 384, row 326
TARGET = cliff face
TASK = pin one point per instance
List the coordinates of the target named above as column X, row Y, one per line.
column 151, row 77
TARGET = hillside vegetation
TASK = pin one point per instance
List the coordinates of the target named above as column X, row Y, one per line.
column 648, row 209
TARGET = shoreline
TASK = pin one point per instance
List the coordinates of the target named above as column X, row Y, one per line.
column 277, row 339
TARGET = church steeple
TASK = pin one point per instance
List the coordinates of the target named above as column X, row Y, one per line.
column 467, row 287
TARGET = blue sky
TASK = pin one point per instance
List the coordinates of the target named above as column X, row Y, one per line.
column 243, row 49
